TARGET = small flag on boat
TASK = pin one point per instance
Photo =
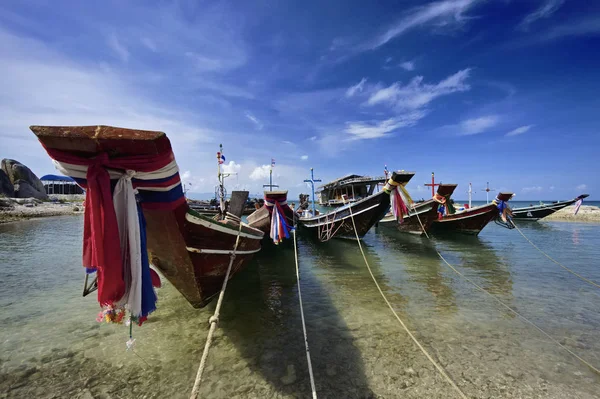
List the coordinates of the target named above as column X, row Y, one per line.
column 577, row 205
column 272, row 163
column 220, row 157
column 385, row 170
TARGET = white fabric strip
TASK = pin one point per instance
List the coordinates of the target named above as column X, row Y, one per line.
column 80, row 171
column 131, row 251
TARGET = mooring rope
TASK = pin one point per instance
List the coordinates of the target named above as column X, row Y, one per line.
column 555, row 261
column 508, row 307
column 310, row 370
column 437, row 366
column 214, row 320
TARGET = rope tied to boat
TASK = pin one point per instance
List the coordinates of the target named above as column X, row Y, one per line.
column 429, row 357
column 214, row 320
column 594, row 369
column 555, row 261
column 308, row 361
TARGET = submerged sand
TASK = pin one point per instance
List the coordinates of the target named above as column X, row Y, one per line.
column 587, row 213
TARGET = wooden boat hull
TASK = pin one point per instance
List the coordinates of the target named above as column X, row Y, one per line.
column 338, row 223
column 191, row 250
column 418, row 221
column 537, row 212
column 471, row 221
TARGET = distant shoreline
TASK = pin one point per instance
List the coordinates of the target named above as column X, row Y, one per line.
column 11, row 211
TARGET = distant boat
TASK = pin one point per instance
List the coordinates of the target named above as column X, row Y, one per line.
column 191, row 250
column 472, row 220
column 338, row 222
column 421, row 215
column 536, row 212
column 352, row 188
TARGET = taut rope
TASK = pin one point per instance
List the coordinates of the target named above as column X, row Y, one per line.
column 437, row 366
column 214, row 320
column 310, row 370
column 555, row 261
column 508, row 307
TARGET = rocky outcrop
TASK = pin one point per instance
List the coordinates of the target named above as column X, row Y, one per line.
column 6, row 186
column 26, row 184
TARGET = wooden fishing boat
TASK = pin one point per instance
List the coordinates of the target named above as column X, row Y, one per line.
column 191, row 250
column 536, row 212
column 473, row 220
column 275, row 218
column 338, row 223
column 421, row 215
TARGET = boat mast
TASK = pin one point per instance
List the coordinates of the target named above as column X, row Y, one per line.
column 312, row 182
column 470, row 191
column 271, row 185
column 487, row 192
column 433, row 184
column 221, row 177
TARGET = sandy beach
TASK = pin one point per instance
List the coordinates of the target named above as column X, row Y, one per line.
column 15, row 209
column 587, row 213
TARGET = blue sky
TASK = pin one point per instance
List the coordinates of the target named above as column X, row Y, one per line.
column 503, row 91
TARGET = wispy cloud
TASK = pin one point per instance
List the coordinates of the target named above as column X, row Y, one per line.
column 357, row 88
column 519, row 130
column 547, row 8
column 119, row 49
column 532, row 189
column 446, row 12
column 304, row 157
column 312, row 138
column 417, row 94
column 374, row 130
column 408, row 66
column 478, row 125
column 149, row 43
column 581, row 187
column 257, row 123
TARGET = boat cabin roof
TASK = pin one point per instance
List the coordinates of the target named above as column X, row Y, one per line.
column 352, row 179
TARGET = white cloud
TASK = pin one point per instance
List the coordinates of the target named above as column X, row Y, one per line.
column 533, row 189
column 260, row 172
column 548, row 8
column 373, row 130
column 519, row 130
column 417, row 94
column 231, row 167
column 408, row 66
column 478, row 125
column 357, row 88
column 119, row 49
column 551, row 188
column 259, row 125
column 581, row 187
column 312, row 138
column 304, row 157
column 442, row 12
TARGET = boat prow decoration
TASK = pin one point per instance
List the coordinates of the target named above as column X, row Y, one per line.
column 191, row 250
column 275, row 218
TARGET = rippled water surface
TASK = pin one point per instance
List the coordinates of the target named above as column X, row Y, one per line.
column 51, row 345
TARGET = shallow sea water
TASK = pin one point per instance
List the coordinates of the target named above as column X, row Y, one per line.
column 52, row 347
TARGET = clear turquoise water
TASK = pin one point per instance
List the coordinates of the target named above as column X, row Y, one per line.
column 51, row 345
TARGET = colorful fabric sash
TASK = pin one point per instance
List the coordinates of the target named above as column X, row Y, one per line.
column 279, row 226
column 504, row 210
column 445, row 206
column 399, row 199
column 114, row 241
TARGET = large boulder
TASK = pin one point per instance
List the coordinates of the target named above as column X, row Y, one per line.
column 26, row 184
column 25, row 190
column 6, row 186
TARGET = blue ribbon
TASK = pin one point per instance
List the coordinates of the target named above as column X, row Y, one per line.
column 148, row 295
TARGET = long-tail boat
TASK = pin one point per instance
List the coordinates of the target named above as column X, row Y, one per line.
column 472, row 220
column 191, row 250
column 535, row 212
column 418, row 217
column 338, row 222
